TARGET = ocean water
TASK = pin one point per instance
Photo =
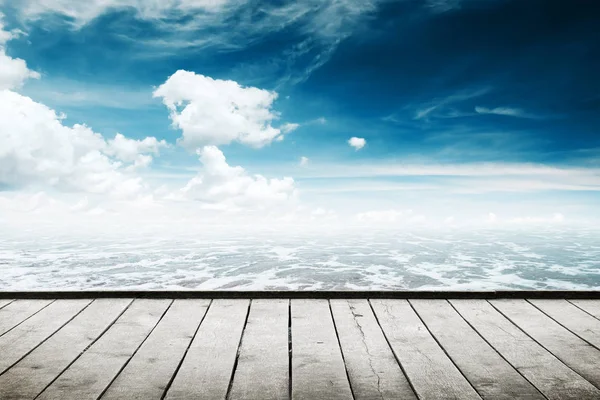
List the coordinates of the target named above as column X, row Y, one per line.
column 343, row 260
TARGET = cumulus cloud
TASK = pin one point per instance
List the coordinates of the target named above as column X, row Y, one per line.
column 13, row 71
column 37, row 149
column 224, row 187
column 134, row 151
column 215, row 112
column 357, row 143
column 303, row 161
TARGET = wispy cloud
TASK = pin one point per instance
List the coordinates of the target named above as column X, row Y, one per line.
column 506, row 111
column 435, row 107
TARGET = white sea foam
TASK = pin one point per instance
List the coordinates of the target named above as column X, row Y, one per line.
column 375, row 260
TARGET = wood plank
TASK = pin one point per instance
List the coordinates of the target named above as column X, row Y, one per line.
column 570, row 349
column 88, row 377
column 16, row 343
column 431, row 372
column 5, row 302
column 18, row 311
column 572, row 318
column 150, row 370
column 592, row 307
column 488, row 372
column 318, row 370
column 372, row 368
column 553, row 378
column 207, row 368
column 263, row 365
column 31, row 375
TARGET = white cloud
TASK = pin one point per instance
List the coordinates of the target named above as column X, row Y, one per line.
column 223, row 187
column 83, row 12
column 507, row 111
column 13, row 71
column 215, row 112
column 303, row 161
column 357, row 143
column 37, row 149
column 136, row 151
column 288, row 127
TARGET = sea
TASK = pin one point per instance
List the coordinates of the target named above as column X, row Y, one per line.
column 477, row 259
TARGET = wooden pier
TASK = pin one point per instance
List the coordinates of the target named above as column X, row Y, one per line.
column 299, row 345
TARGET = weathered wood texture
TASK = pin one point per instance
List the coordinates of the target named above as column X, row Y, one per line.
column 488, row 372
column 431, row 372
column 207, row 368
column 372, row 368
column 32, row 374
column 233, row 349
column 262, row 371
column 18, row 342
column 89, row 376
column 570, row 349
column 553, row 378
column 150, row 370
column 318, row 370
column 18, row 311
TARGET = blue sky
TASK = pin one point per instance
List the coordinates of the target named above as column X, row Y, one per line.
column 436, row 88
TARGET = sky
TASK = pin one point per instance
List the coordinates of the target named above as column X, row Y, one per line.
column 370, row 112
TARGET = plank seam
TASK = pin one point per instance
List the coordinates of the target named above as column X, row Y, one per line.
column 559, row 323
column 443, row 349
column 290, row 349
column 10, row 302
column 341, row 350
column 539, row 344
column 48, row 337
column 582, row 309
column 392, row 350
column 25, row 318
column 135, row 351
column 185, row 353
column 237, row 354
column 493, row 348
column 84, row 350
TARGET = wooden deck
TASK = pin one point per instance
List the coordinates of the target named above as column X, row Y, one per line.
column 299, row 348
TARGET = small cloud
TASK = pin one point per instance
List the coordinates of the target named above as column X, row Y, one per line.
column 288, row 127
column 303, row 161
column 492, row 218
column 357, row 143
column 506, row 111
column 321, row 120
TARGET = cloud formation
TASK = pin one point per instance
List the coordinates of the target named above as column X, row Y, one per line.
column 357, row 143
column 220, row 186
column 37, row 149
column 13, row 71
column 215, row 112
column 506, row 111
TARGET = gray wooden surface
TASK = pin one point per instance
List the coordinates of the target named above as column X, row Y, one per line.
column 207, row 368
column 122, row 348
column 89, row 376
column 150, row 370
column 263, row 366
column 432, row 373
column 553, row 378
column 30, row 376
column 579, row 355
column 488, row 372
column 318, row 370
column 372, row 368
column 592, row 307
column 18, row 311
